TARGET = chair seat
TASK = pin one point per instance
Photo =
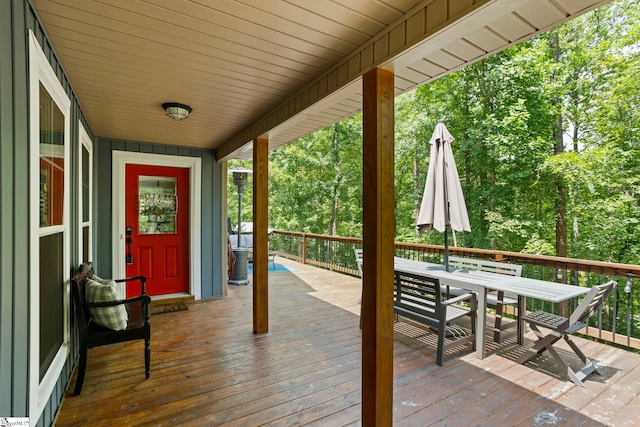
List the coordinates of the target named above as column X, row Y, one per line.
column 544, row 319
column 453, row 312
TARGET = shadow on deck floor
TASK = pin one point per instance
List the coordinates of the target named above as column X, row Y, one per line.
column 208, row 368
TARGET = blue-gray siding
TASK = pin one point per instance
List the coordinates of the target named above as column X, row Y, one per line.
column 211, row 180
column 14, row 308
column 16, row 18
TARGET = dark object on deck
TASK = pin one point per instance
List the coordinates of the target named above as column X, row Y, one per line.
column 93, row 335
column 241, row 267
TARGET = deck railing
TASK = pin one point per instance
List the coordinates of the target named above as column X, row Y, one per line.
column 616, row 322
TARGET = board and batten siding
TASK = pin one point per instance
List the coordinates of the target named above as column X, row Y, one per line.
column 14, row 213
column 212, row 176
column 17, row 17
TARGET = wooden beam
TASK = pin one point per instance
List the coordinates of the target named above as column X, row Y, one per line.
column 260, row 236
column 378, row 244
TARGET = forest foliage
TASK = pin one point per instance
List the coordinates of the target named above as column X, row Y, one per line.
column 546, row 146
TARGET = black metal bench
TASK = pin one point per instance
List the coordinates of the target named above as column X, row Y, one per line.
column 93, row 335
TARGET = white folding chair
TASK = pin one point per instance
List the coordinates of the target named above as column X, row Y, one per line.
column 563, row 327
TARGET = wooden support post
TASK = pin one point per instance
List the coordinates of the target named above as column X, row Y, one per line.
column 260, row 236
column 304, row 248
column 378, row 244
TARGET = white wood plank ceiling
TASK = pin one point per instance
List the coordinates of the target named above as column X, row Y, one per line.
column 270, row 68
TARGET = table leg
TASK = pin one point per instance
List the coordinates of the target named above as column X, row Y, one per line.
column 481, row 320
column 521, row 311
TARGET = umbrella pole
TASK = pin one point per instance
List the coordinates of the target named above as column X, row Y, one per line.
column 446, row 249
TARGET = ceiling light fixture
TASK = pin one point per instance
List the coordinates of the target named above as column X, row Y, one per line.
column 176, row 111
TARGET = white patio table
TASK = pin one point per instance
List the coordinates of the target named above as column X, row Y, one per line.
column 482, row 282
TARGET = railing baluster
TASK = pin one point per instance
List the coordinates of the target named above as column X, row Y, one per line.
column 336, row 253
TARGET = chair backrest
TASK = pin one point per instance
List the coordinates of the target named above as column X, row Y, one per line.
column 591, row 302
column 358, row 253
column 418, row 294
column 483, row 265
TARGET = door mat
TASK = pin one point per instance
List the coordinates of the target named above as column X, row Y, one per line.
column 169, row 305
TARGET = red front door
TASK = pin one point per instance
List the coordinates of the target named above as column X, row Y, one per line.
column 157, row 234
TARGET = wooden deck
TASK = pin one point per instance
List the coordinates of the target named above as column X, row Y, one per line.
column 208, row 368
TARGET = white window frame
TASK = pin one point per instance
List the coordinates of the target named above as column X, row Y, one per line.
column 40, row 72
column 85, row 141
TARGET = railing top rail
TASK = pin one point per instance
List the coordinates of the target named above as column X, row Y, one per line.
column 598, row 267
column 356, row 240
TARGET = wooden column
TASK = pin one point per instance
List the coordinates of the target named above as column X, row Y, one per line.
column 378, row 244
column 260, row 236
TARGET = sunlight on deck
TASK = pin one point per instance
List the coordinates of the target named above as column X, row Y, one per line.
column 208, row 368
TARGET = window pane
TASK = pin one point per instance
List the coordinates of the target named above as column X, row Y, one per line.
column 51, row 161
column 85, row 184
column 158, row 205
column 51, row 299
column 85, row 245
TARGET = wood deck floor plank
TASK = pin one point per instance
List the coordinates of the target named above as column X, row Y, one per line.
column 617, row 397
column 248, row 364
column 447, row 403
column 629, row 415
column 238, row 402
column 199, row 384
column 320, row 411
column 439, row 383
column 208, row 368
column 292, row 408
column 344, row 417
column 231, row 352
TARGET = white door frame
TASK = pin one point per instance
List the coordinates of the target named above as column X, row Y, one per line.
column 87, row 143
column 123, row 158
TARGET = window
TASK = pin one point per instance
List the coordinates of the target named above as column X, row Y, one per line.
column 49, row 228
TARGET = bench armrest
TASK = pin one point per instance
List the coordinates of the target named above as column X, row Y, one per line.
column 143, row 281
column 460, row 298
column 145, row 299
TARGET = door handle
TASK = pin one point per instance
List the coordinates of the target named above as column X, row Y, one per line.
column 129, row 257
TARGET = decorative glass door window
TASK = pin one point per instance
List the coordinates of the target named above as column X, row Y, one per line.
column 157, row 205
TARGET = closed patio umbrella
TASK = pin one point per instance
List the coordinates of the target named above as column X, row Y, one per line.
column 443, row 205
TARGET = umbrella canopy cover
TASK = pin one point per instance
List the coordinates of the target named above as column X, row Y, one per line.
column 442, row 188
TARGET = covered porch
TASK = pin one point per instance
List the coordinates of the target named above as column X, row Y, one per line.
column 208, row 368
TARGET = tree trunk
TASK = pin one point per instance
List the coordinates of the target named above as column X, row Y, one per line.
column 335, row 150
column 416, row 184
column 416, row 169
column 561, row 196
